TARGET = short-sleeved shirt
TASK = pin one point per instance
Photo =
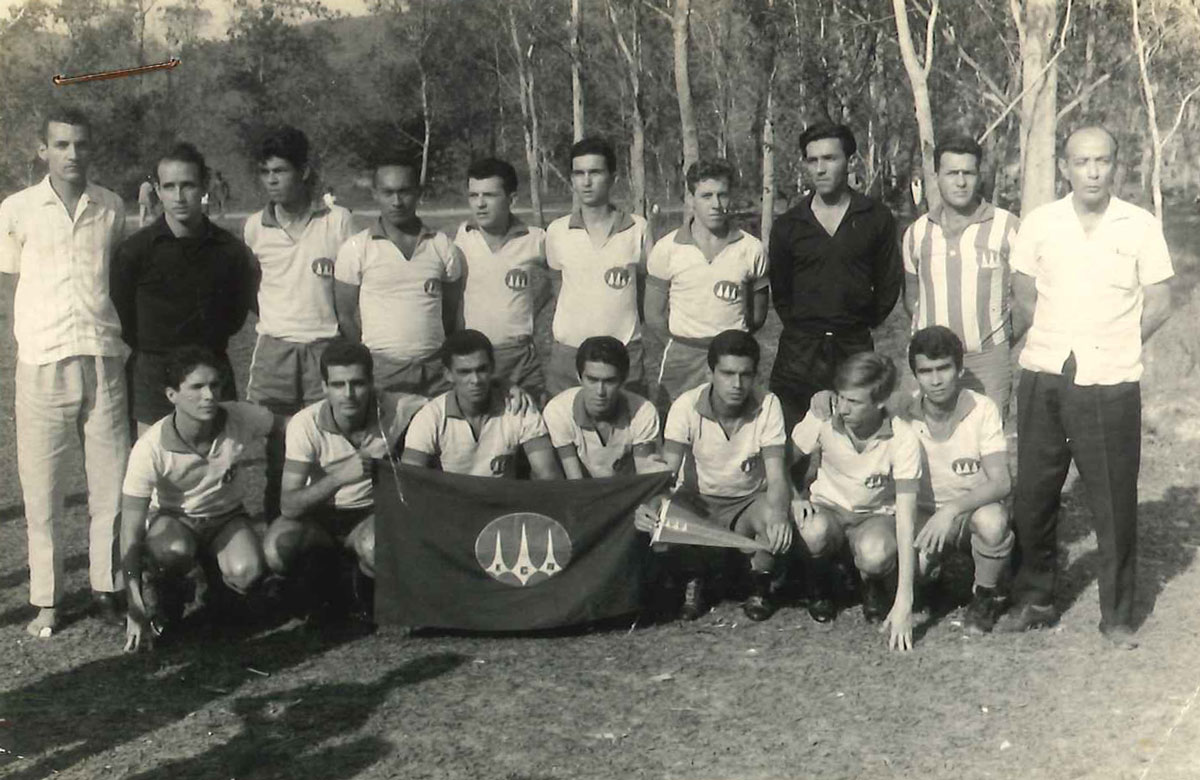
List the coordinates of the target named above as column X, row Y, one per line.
column 963, row 278
column 953, row 466
column 498, row 291
column 295, row 296
column 400, row 298
column 708, row 296
column 176, row 478
column 867, row 481
column 62, row 307
column 599, row 283
column 314, row 438
column 441, row 430
column 730, row 464
column 570, row 425
column 1089, row 288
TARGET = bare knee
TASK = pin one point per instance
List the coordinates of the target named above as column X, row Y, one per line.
column 283, row 544
column 989, row 523
column 820, row 534
column 875, row 552
column 364, row 548
column 172, row 552
column 242, row 571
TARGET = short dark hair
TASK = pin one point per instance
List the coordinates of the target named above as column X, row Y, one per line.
column 737, row 343
column 461, row 343
column 184, row 152
column 712, row 168
column 867, row 369
column 823, row 130
column 287, row 143
column 64, row 114
column 343, row 352
column 603, row 349
column 492, row 168
column 957, row 144
column 397, row 161
column 184, row 360
column 595, row 145
column 935, row 342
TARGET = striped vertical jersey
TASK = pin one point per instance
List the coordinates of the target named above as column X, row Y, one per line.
column 963, row 278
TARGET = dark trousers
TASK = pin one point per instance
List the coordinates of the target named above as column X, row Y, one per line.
column 1100, row 426
column 805, row 364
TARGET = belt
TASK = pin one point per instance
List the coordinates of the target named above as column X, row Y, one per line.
column 688, row 341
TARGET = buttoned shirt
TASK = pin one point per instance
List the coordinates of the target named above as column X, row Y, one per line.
column 441, row 430
column 498, row 291
column 952, row 462
column 62, row 307
column 844, row 282
column 707, row 295
column 963, row 278
column 1089, row 288
column 572, row 429
column 598, row 296
column 170, row 291
column 295, row 296
column 400, row 297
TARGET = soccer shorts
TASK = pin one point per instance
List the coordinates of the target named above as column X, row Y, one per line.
column 204, row 528
column 518, row 364
column 424, row 376
column 684, row 366
column 340, row 523
column 285, row 376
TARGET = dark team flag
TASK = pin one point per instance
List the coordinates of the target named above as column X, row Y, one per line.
column 499, row 555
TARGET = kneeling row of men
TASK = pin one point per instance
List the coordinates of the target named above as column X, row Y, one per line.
column 896, row 488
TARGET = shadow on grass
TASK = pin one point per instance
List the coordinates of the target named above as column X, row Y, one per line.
column 283, row 733
column 16, row 511
column 67, row 717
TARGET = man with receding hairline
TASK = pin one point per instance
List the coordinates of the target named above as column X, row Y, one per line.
column 1091, row 272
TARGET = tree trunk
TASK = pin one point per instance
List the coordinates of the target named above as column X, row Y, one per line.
column 426, row 119
column 632, row 54
column 767, row 217
column 680, row 34
column 1156, row 143
column 918, row 77
column 1039, row 80
column 576, row 72
column 529, row 118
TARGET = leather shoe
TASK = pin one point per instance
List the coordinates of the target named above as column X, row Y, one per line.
column 694, row 604
column 1120, row 637
column 822, row 610
column 1026, row 618
column 106, row 607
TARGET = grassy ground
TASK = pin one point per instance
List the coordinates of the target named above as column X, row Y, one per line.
column 718, row 698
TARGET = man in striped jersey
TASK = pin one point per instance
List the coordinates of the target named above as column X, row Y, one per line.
column 956, row 270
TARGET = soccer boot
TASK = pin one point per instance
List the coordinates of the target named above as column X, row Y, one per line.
column 694, row 604
column 758, row 606
column 107, row 608
column 981, row 612
column 1027, row 618
column 819, row 577
column 363, row 585
column 878, row 595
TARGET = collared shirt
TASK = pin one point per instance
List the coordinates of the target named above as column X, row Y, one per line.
column 314, row 438
column 176, row 478
column 295, row 297
column 963, row 278
column 441, row 430
column 172, row 291
column 952, row 464
column 866, row 481
column 846, row 281
column 62, row 307
column 572, row 428
column 599, row 283
column 726, row 464
column 706, row 295
column 1089, row 288
column 498, row 291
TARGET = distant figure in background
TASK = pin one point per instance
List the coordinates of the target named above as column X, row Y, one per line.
column 147, row 200
column 328, row 198
column 218, row 190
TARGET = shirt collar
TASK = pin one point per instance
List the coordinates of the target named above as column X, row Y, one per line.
column 49, row 196
column 704, row 405
column 884, row 432
column 984, row 212
column 858, row 202
column 495, row 405
column 586, row 422
column 317, row 209
column 377, row 231
column 684, row 234
column 516, row 228
column 962, row 407
column 327, row 423
column 1116, row 210
column 623, row 221
column 171, row 441
column 161, row 231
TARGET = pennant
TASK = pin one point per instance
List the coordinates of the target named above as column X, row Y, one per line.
column 679, row 525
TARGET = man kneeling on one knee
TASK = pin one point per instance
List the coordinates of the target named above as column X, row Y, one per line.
column 736, row 440
column 327, row 501
column 183, row 495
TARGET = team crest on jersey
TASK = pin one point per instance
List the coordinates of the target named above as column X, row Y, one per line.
column 623, row 464
column 751, row 464
column 730, row 292
column 323, row 267
column 523, row 548
column 965, row 467
column 989, row 258
column 229, row 475
column 499, row 465
column 516, row 279
column 617, row 277
column 876, row 481
column 433, row 287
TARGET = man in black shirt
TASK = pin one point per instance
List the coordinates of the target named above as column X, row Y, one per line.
column 835, row 272
column 181, row 280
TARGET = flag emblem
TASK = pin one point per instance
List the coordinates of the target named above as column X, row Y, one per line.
column 523, row 548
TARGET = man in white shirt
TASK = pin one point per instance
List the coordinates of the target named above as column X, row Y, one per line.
column 59, row 236
column 1092, row 272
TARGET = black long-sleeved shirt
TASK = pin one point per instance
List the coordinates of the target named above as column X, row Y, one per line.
column 846, row 281
column 171, row 291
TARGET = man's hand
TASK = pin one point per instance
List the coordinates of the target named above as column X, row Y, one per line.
column 138, row 634
column 899, row 624
column 518, row 401
column 352, row 469
column 821, row 405
column 645, row 518
column 936, row 532
column 779, row 536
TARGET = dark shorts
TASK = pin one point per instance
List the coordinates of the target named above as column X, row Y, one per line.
column 285, row 376
column 561, row 373
column 339, row 523
column 518, row 364
column 684, row 367
column 204, row 529
column 147, row 372
column 425, row 376
column 806, row 363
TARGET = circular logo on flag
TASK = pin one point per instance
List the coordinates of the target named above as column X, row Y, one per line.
column 516, row 279
column 729, row 292
column 323, row 267
column 433, row 287
column 523, row 548
column 617, row 277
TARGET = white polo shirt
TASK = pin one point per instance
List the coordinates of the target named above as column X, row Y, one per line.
column 728, row 465
column 176, row 478
column 1089, row 288
column 62, row 307
column 313, row 437
column 441, row 431
column 400, row 298
column 866, row 481
column 572, row 428
column 708, row 296
column 953, row 466
column 598, row 296
column 498, row 293
column 295, row 296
